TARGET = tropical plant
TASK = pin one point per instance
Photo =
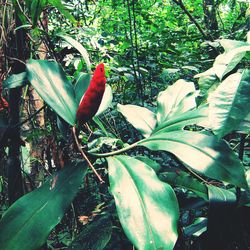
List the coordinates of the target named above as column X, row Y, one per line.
column 189, row 122
column 143, row 191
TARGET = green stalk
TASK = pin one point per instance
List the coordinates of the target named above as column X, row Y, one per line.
column 117, row 152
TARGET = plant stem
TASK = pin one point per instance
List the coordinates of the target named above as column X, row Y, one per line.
column 120, row 151
column 85, row 157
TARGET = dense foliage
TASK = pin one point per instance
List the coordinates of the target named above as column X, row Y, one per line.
column 163, row 160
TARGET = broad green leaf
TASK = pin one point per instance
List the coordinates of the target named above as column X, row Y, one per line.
column 202, row 153
column 28, row 222
column 58, row 4
column 227, row 61
column 197, row 116
column 153, row 164
column 229, row 103
column 63, row 127
column 106, row 100
column 244, row 126
column 176, row 99
column 16, row 80
column 94, row 236
column 229, row 44
column 51, row 83
column 36, row 9
column 141, row 118
column 220, row 195
column 147, row 208
column 82, row 83
column 80, row 48
column 185, row 180
column 208, row 81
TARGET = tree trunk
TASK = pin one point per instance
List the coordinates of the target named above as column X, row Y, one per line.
column 15, row 183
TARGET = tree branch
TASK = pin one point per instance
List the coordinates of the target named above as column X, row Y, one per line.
column 192, row 19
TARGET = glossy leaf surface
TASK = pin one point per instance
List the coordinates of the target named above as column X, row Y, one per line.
column 244, row 126
column 229, row 104
column 106, row 100
column 220, row 195
column 51, row 83
column 176, row 99
column 208, row 81
column 227, row 61
column 147, row 208
column 141, row 118
column 15, row 80
column 28, row 222
column 203, row 153
column 185, row 180
column 197, row 116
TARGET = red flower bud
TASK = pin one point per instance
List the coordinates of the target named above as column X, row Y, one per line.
column 3, row 103
column 92, row 98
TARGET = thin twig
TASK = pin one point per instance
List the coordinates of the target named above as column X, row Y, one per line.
column 85, row 157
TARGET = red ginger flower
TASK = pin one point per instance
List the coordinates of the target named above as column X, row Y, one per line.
column 3, row 103
column 92, row 98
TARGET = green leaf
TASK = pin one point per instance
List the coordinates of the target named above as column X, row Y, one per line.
column 176, row 99
column 63, row 127
column 227, row 61
column 244, row 126
column 15, row 80
column 19, row 11
column 24, row 26
column 220, row 195
column 101, row 126
column 202, row 153
column 51, row 83
column 196, row 228
column 58, row 4
column 106, row 100
column 141, row 118
column 229, row 44
column 94, row 236
column 147, row 208
column 80, row 48
column 36, row 9
column 81, row 85
column 208, row 81
column 229, row 104
column 28, row 4
column 197, row 116
column 28, row 222
column 185, row 180
column 153, row 164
